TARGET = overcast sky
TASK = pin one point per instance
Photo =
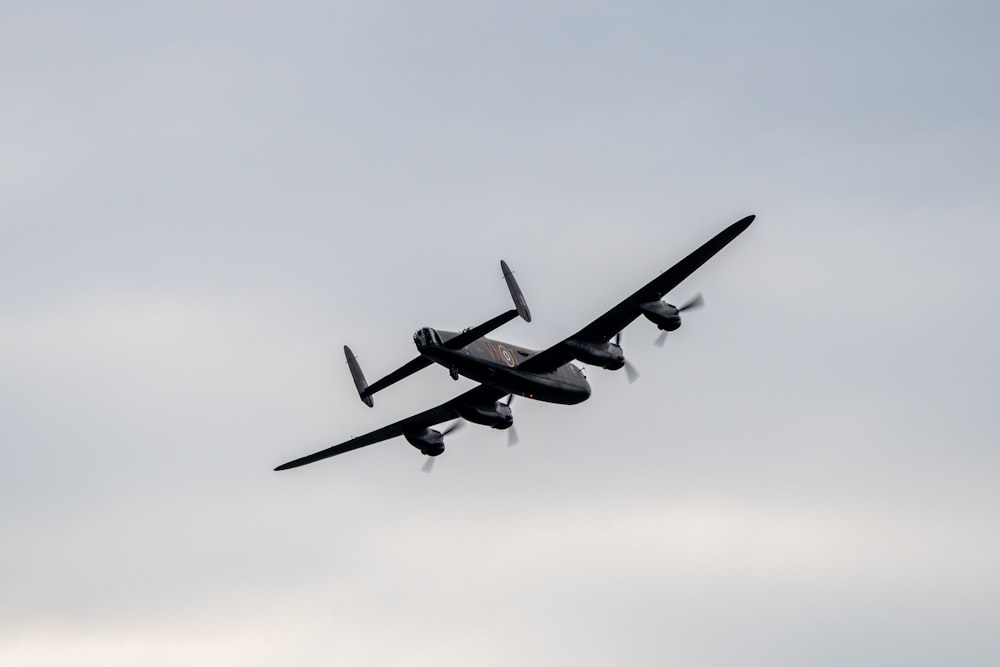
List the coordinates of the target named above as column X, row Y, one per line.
column 201, row 203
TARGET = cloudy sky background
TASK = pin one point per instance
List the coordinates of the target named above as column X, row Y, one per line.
column 202, row 202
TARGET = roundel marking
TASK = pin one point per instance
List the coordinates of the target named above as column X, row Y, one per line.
column 507, row 356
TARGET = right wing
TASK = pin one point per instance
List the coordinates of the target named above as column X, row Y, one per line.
column 605, row 327
column 416, row 423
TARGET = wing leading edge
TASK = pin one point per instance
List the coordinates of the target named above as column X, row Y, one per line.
column 605, row 327
column 442, row 413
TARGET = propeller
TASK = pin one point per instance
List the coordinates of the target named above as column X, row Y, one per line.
column 429, row 463
column 454, row 427
column 512, row 438
column 697, row 301
column 631, row 372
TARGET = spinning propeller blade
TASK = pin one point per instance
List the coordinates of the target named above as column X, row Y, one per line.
column 454, row 427
column 697, row 301
column 512, row 438
column 631, row 372
column 429, row 463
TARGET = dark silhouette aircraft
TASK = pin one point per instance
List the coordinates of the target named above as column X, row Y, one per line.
column 503, row 369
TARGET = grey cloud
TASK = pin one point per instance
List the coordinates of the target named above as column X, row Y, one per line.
column 200, row 205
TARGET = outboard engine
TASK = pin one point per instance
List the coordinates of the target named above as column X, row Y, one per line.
column 662, row 314
column 428, row 441
column 666, row 316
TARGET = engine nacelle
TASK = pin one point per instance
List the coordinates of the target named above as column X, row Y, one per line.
column 662, row 314
column 428, row 441
column 497, row 415
column 605, row 355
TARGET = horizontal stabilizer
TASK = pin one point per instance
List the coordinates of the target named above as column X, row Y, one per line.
column 477, row 332
column 406, row 370
column 456, row 342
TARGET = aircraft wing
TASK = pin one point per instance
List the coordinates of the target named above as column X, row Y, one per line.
column 605, row 327
column 415, row 424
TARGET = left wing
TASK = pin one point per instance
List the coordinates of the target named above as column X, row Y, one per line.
column 605, row 327
column 414, row 424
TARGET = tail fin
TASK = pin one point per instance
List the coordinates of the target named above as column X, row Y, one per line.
column 359, row 377
column 515, row 292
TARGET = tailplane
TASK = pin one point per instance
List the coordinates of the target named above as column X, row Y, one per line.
column 456, row 342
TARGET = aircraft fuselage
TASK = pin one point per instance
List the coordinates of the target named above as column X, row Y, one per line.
column 495, row 364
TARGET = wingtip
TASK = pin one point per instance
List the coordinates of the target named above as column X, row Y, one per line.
column 740, row 225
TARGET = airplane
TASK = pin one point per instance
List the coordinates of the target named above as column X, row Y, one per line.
column 503, row 369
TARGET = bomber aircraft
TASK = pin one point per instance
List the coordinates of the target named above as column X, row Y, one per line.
column 503, row 369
